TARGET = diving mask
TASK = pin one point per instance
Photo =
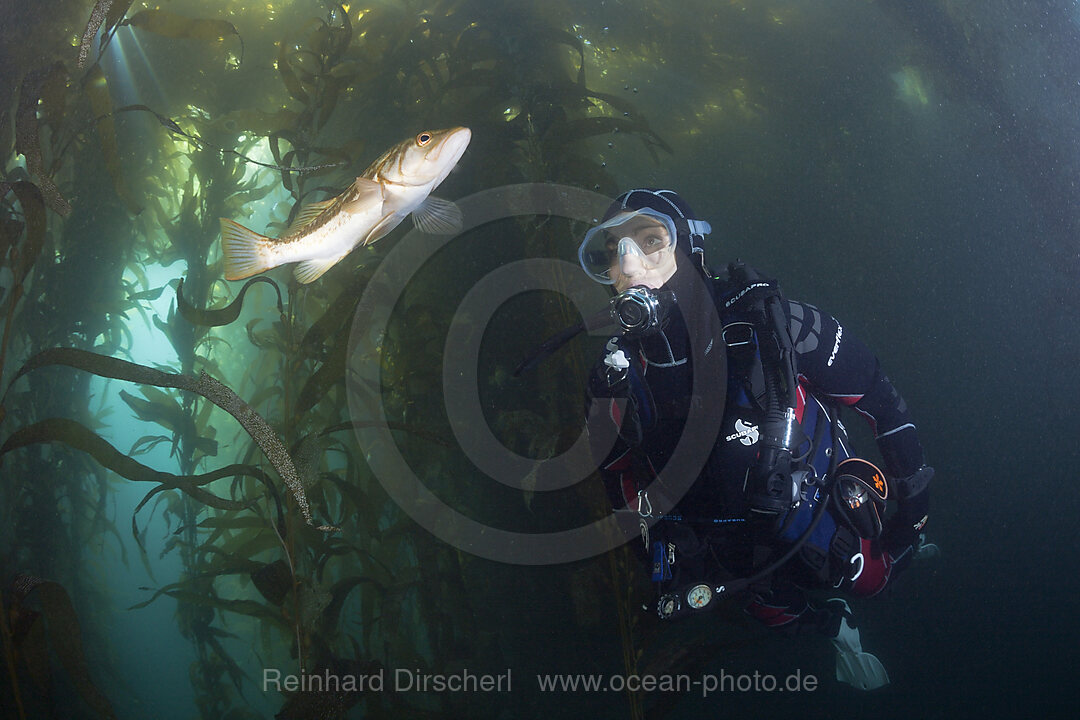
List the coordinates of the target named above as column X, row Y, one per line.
column 643, row 233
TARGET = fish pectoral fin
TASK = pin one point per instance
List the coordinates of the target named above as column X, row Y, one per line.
column 362, row 195
column 308, row 213
column 311, row 270
column 245, row 251
column 436, row 216
column 383, row 227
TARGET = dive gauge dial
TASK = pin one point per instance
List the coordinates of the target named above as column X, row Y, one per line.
column 699, row 596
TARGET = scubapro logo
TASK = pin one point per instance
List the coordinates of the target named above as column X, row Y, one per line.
column 745, row 433
column 742, row 292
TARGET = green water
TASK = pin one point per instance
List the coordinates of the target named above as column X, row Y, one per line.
column 910, row 167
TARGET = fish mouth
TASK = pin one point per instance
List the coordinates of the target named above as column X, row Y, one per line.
column 452, row 146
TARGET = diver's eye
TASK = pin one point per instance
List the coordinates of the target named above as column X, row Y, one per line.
column 423, row 139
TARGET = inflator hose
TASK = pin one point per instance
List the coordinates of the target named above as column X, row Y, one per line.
column 556, row 341
column 743, row 583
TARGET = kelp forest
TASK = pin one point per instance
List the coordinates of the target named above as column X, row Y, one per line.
column 187, row 494
column 129, row 130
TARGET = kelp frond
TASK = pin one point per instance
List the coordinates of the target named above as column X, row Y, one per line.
column 204, row 385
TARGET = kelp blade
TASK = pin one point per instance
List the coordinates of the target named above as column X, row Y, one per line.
column 97, row 90
column 28, row 141
column 64, row 638
column 97, row 16
column 225, row 315
column 78, row 436
column 204, row 385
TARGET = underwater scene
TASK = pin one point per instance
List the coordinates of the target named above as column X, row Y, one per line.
column 297, row 353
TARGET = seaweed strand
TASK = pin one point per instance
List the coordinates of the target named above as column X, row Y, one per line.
column 172, row 126
column 225, row 315
column 9, row 657
column 97, row 16
column 296, row 598
column 203, row 385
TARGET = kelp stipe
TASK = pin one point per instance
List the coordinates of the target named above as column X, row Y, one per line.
column 35, row 636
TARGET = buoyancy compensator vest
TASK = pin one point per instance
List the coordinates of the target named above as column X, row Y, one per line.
column 757, row 301
column 759, row 346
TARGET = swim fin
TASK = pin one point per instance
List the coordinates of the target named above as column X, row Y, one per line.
column 853, row 666
column 925, row 550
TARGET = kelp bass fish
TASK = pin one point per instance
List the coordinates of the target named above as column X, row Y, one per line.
column 397, row 184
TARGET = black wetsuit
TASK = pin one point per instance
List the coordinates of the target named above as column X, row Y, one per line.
column 834, row 368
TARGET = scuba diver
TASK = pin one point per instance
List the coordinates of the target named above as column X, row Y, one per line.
column 780, row 511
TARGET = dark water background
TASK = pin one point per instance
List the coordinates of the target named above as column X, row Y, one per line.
column 910, row 167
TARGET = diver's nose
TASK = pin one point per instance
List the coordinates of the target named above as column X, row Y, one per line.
column 631, row 263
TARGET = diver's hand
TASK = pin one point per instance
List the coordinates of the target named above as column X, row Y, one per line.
column 903, row 528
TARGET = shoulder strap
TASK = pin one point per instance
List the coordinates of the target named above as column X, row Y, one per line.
column 743, row 291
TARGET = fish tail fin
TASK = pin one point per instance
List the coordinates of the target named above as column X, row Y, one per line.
column 245, row 251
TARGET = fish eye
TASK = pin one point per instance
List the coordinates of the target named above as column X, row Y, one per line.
column 423, row 139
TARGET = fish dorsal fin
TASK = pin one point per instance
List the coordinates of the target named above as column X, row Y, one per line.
column 436, row 216
column 311, row 270
column 308, row 213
